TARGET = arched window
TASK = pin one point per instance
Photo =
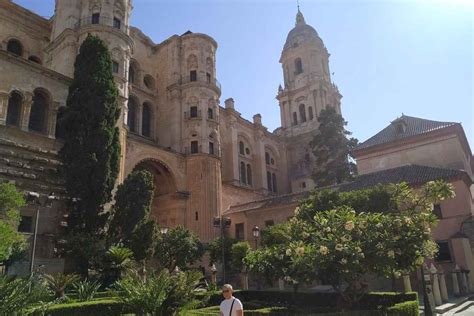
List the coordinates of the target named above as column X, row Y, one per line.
column 241, row 148
column 149, row 82
column 310, row 113
column 302, row 113
column 267, row 158
column 14, row 46
column 133, row 72
column 38, row 113
column 243, row 175
column 269, row 181
column 210, row 114
column 146, row 120
column 14, row 109
column 35, row 59
column 132, row 116
column 298, row 66
column 295, row 118
column 274, row 183
column 59, row 123
column 249, row 174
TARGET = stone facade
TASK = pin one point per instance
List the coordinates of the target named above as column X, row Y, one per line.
column 205, row 157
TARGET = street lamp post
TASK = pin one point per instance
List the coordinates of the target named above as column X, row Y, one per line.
column 256, row 235
column 40, row 202
column 222, row 222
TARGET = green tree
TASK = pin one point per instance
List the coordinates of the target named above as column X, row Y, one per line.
column 130, row 222
column 340, row 245
column 179, row 247
column 215, row 251
column 11, row 242
column 378, row 198
column 331, row 149
column 91, row 150
column 238, row 252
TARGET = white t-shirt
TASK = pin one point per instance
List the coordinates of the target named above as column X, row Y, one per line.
column 226, row 304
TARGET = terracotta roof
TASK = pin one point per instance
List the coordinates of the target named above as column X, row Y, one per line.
column 412, row 174
column 403, row 127
column 268, row 202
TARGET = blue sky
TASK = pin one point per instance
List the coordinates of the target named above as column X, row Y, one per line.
column 389, row 57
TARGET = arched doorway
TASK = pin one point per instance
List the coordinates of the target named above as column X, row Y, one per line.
column 168, row 206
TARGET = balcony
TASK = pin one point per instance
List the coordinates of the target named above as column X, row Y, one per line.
column 200, row 80
column 104, row 21
column 190, row 115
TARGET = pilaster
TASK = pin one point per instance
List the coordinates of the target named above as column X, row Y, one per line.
column 26, row 109
column 53, row 115
column 3, row 107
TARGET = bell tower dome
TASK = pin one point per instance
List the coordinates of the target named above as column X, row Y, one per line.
column 306, row 91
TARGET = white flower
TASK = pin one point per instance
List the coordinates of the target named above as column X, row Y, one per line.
column 327, row 229
column 407, row 220
column 346, row 238
column 305, row 235
column 324, row 250
column 349, row 225
column 379, row 246
column 297, row 210
column 339, row 247
column 343, row 261
column 288, row 252
column 300, row 251
column 358, row 249
column 391, row 254
column 378, row 225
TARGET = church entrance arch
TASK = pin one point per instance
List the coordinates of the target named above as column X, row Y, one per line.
column 167, row 207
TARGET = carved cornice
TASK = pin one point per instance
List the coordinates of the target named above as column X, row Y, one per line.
column 35, row 67
column 37, row 26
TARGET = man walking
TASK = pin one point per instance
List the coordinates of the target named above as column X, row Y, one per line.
column 230, row 306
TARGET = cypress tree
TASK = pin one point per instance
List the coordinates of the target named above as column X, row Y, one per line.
column 91, row 150
column 130, row 222
column 332, row 149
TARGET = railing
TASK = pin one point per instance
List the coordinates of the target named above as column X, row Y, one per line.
column 187, row 115
column 102, row 21
column 210, row 81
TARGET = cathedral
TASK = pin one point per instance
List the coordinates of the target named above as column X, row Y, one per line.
column 209, row 163
column 205, row 157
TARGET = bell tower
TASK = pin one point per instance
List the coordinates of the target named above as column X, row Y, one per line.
column 307, row 90
column 73, row 21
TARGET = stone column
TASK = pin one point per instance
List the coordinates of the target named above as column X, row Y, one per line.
column 139, row 119
column 281, row 285
column 454, row 273
column 436, row 291
column 442, row 285
column 53, row 115
column 25, row 111
column 3, row 107
column 463, row 282
column 429, row 287
column 406, row 283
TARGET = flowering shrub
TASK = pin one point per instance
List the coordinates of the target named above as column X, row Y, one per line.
column 341, row 245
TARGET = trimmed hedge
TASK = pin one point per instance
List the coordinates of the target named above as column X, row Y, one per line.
column 404, row 309
column 106, row 307
column 328, row 301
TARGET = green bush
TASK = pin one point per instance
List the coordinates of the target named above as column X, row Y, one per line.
column 90, row 308
column 410, row 308
column 315, row 301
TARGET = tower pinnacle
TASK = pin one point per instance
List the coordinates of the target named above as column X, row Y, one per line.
column 299, row 16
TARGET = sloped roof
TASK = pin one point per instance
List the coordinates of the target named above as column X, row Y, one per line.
column 412, row 174
column 412, row 126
